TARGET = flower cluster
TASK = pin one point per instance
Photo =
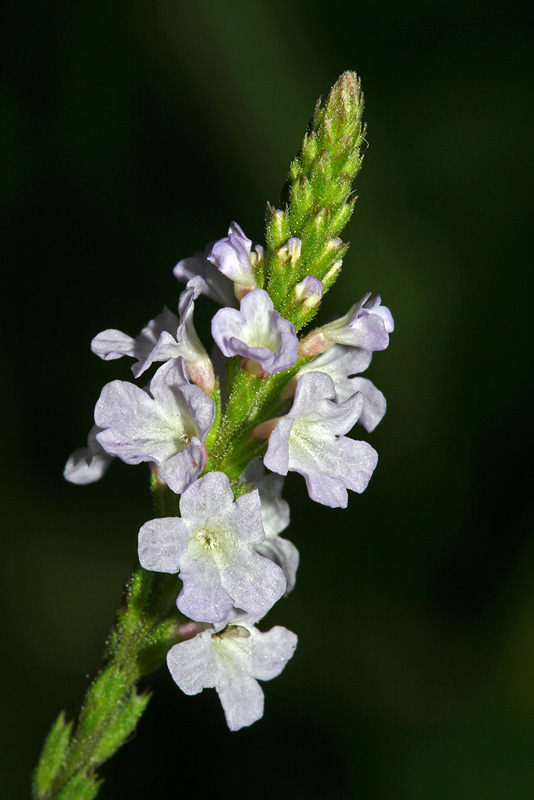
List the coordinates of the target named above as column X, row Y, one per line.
column 286, row 401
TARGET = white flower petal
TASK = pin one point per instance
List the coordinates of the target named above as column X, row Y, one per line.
column 242, row 700
column 202, row 597
column 84, row 467
column 270, row 652
column 161, row 544
column 192, row 664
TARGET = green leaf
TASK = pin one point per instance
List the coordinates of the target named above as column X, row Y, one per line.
column 122, row 726
column 53, row 755
column 80, row 787
column 103, row 696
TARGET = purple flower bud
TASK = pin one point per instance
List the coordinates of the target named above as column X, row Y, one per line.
column 309, row 292
column 233, row 256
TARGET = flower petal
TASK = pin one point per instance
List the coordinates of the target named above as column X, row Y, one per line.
column 192, row 664
column 161, row 544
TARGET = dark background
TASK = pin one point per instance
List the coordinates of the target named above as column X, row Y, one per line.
column 131, row 134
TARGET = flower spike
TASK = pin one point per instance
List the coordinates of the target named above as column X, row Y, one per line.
column 213, row 562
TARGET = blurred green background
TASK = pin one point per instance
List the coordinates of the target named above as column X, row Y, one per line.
column 131, row 134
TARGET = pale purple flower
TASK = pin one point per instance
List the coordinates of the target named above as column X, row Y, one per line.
column 256, row 332
column 235, row 257
column 212, row 544
column 341, row 362
column 87, row 464
column 112, row 344
column 188, row 343
column 232, row 660
column 166, row 425
column 309, row 440
column 366, row 325
column 212, row 283
column 163, row 339
column 275, row 519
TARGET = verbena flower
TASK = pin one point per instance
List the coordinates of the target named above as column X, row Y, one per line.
column 235, row 257
column 342, row 362
column 232, row 660
column 164, row 338
column 212, row 545
column 212, row 282
column 257, row 332
column 366, row 325
column 166, row 425
column 309, row 440
column 112, row 344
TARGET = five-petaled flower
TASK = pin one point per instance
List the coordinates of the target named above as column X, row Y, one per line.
column 213, row 547
column 309, row 440
column 231, row 659
column 166, row 425
column 257, row 332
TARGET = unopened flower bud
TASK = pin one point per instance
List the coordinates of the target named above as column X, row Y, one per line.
column 332, row 244
column 319, row 218
column 291, row 250
column 309, row 292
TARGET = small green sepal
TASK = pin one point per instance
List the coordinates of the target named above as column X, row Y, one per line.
column 53, row 755
column 80, row 787
column 123, row 725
